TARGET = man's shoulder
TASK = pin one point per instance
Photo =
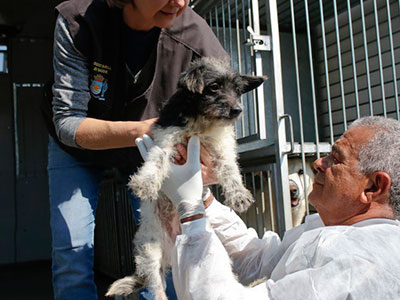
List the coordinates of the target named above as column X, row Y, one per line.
column 338, row 240
column 344, row 246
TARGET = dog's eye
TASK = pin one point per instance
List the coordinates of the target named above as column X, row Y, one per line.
column 213, row 87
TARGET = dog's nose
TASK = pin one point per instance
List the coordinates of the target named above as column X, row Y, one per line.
column 235, row 111
column 294, row 193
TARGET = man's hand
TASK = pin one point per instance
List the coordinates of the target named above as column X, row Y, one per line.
column 184, row 186
column 207, row 164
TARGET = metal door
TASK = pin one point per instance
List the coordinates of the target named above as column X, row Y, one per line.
column 28, row 73
column 32, row 230
column 252, row 39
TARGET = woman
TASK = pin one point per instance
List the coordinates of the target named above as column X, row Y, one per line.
column 115, row 61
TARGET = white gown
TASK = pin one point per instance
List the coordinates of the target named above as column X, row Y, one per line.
column 311, row 262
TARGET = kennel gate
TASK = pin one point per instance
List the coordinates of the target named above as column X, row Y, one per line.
column 328, row 63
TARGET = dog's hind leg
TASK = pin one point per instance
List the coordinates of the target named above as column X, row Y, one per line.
column 149, row 250
column 148, row 257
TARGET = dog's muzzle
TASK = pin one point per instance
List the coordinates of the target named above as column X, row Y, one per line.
column 294, row 193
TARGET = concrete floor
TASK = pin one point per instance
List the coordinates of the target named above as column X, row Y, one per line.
column 33, row 281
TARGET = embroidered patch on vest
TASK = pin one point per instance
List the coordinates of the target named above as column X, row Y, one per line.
column 99, row 87
column 99, row 84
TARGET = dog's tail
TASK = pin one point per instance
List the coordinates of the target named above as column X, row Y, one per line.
column 125, row 286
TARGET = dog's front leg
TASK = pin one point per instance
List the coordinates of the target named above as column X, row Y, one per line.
column 147, row 182
column 229, row 177
column 236, row 194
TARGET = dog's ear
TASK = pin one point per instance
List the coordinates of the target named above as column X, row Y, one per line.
column 251, row 82
column 192, row 80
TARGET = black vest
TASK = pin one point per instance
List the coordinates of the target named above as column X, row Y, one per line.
column 117, row 95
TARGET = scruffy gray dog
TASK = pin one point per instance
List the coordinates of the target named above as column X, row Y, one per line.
column 205, row 104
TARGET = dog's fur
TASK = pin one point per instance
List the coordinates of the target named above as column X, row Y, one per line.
column 301, row 182
column 206, row 104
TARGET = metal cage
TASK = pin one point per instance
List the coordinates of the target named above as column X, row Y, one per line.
column 329, row 63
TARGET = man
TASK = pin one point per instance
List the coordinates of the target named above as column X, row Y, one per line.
column 348, row 251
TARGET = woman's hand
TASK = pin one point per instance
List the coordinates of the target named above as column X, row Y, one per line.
column 95, row 134
column 145, row 128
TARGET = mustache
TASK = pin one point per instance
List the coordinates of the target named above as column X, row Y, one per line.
column 319, row 180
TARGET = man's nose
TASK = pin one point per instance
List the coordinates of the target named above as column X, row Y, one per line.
column 178, row 3
column 318, row 166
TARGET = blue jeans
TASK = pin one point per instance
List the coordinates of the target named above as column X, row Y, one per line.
column 73, row 191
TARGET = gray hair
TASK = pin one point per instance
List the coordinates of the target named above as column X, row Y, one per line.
column 382, row 153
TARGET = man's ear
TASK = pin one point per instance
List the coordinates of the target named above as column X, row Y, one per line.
column 251, row 82
column 192, row 80
column 378, row 188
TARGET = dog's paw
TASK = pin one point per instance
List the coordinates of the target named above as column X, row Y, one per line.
column 240, row 200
